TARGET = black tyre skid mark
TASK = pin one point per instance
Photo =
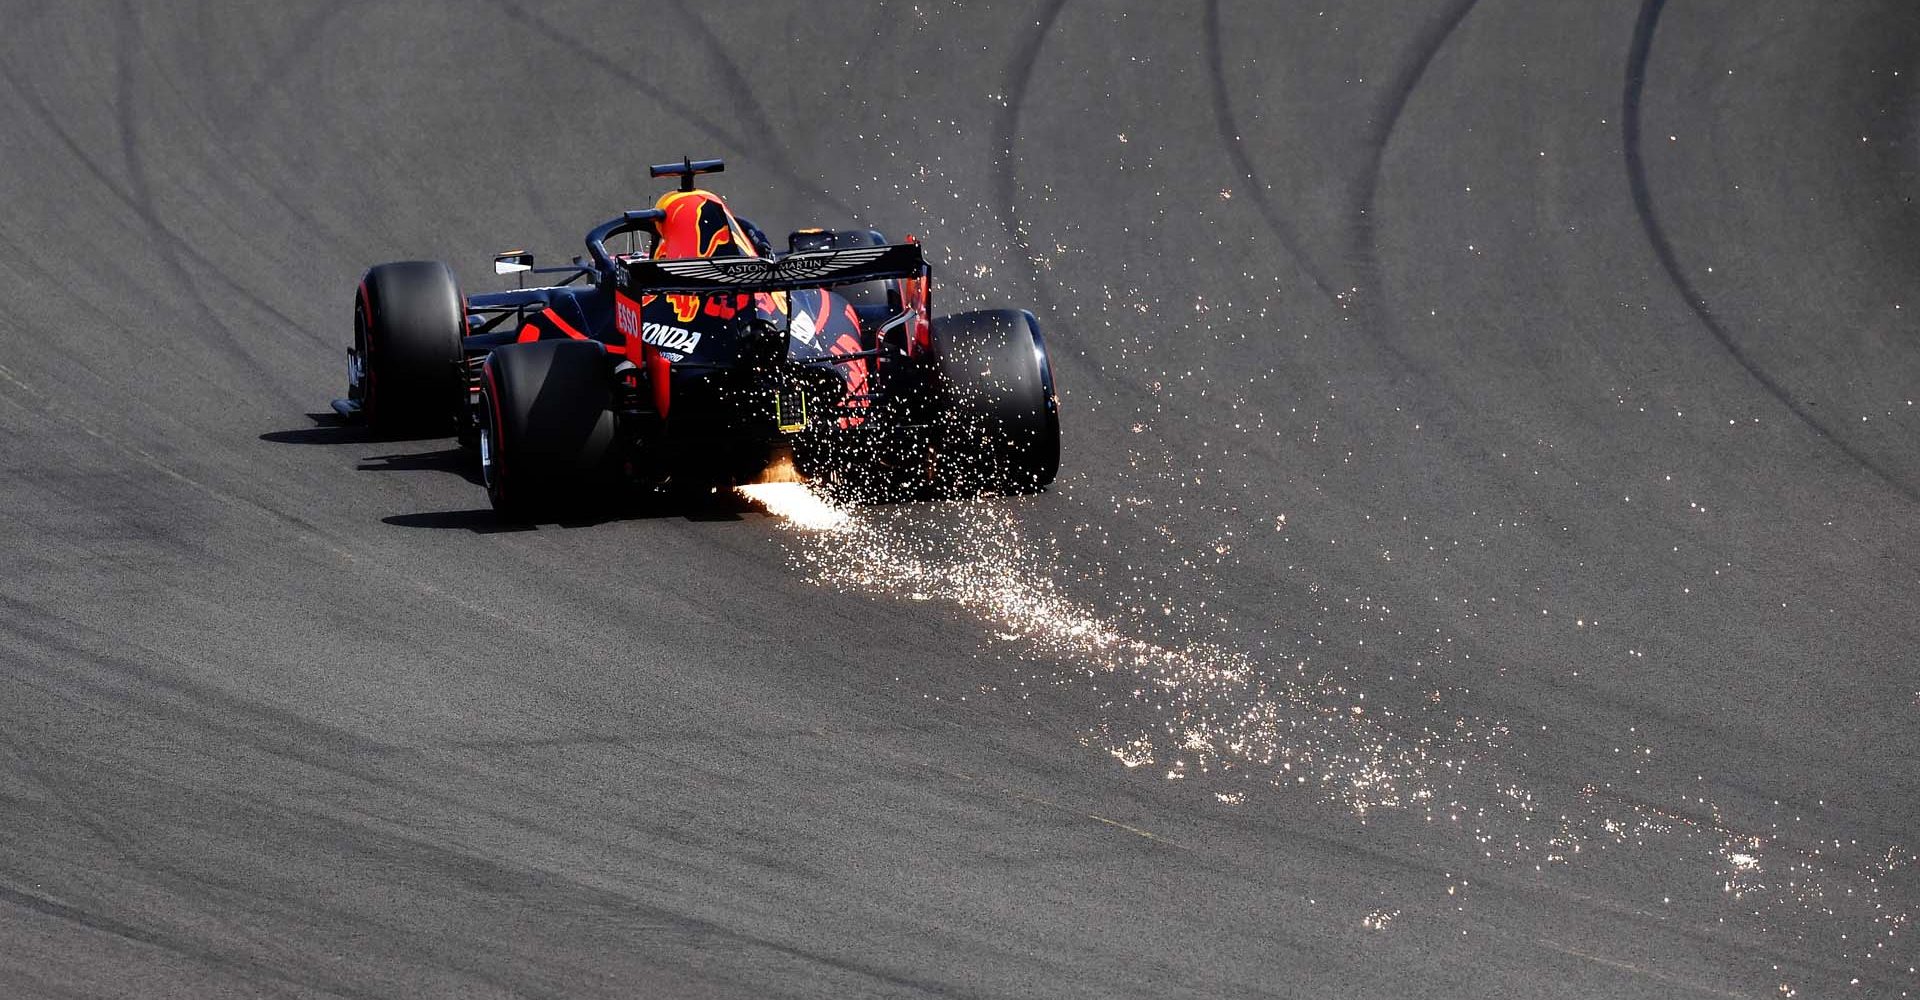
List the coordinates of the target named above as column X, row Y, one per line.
column 1243, row 165
column 140, row 198
column 1369, row 299
column 1638, row 55
column 1399, row 93
column 735, row 80
column 137, row 197
column 1006, row 182
column 727, row 138
column 1006, row 133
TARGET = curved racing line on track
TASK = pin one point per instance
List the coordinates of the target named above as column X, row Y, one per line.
column 737, row 84
column 140, row 198
column 169, row 244
column 1644, row 29
column 1006, row 185
column 1365, row 251
column 1006, row 188
column 1243, row 165
column 1399, row 93
column 730, row 140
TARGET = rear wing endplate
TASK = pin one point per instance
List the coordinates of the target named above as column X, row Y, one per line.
column 811, row 269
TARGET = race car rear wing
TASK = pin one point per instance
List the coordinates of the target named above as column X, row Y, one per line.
column 810, row 269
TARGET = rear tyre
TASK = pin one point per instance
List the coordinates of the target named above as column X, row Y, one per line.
column 546, row 444
column 880, row 297
column 408, row 323
column 1000, row 430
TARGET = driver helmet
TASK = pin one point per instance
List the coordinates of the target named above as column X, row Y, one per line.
column 699, row 224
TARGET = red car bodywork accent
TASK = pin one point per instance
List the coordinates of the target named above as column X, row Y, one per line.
column 916, row 294
column 657, row 367
column 561, row 324
column 534, row 330
column 627, row 318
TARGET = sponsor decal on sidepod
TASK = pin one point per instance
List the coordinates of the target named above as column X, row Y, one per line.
column 676, row 339
column 668, row 339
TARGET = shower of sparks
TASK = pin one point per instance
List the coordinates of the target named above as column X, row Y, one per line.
column 798, row 505
column 1195, row 708
column 1197, row 711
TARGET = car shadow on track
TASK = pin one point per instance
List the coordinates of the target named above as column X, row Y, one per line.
column 480, row 521
column 458, row 461
column 328, row 428
column 721, row 506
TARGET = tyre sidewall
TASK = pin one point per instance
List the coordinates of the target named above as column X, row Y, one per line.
column 413, row 320
column 1000, row 427
column 550, row 425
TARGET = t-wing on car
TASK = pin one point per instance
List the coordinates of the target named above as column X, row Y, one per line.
column 708, row 361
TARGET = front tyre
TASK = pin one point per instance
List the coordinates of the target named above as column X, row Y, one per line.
column 408, row 323
column 1001, row 424
column 547, row 438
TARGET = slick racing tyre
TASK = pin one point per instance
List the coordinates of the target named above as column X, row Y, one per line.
column 877, row 295
column 1001, row 427
column 546, row 443
column 408, row 322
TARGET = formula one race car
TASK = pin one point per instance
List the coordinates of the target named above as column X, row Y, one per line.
column 709, row 360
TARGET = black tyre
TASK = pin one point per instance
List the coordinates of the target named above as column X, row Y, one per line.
column 877, row 295
column 1001, row 427
column 548, row 440
column 408, row 322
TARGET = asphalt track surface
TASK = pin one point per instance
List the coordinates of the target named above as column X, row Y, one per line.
column 1484, row 566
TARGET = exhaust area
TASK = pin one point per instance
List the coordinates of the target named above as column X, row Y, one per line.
column 780, row 469
column 796, row 503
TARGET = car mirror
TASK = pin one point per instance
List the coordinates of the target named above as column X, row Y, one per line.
column 512, row 262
